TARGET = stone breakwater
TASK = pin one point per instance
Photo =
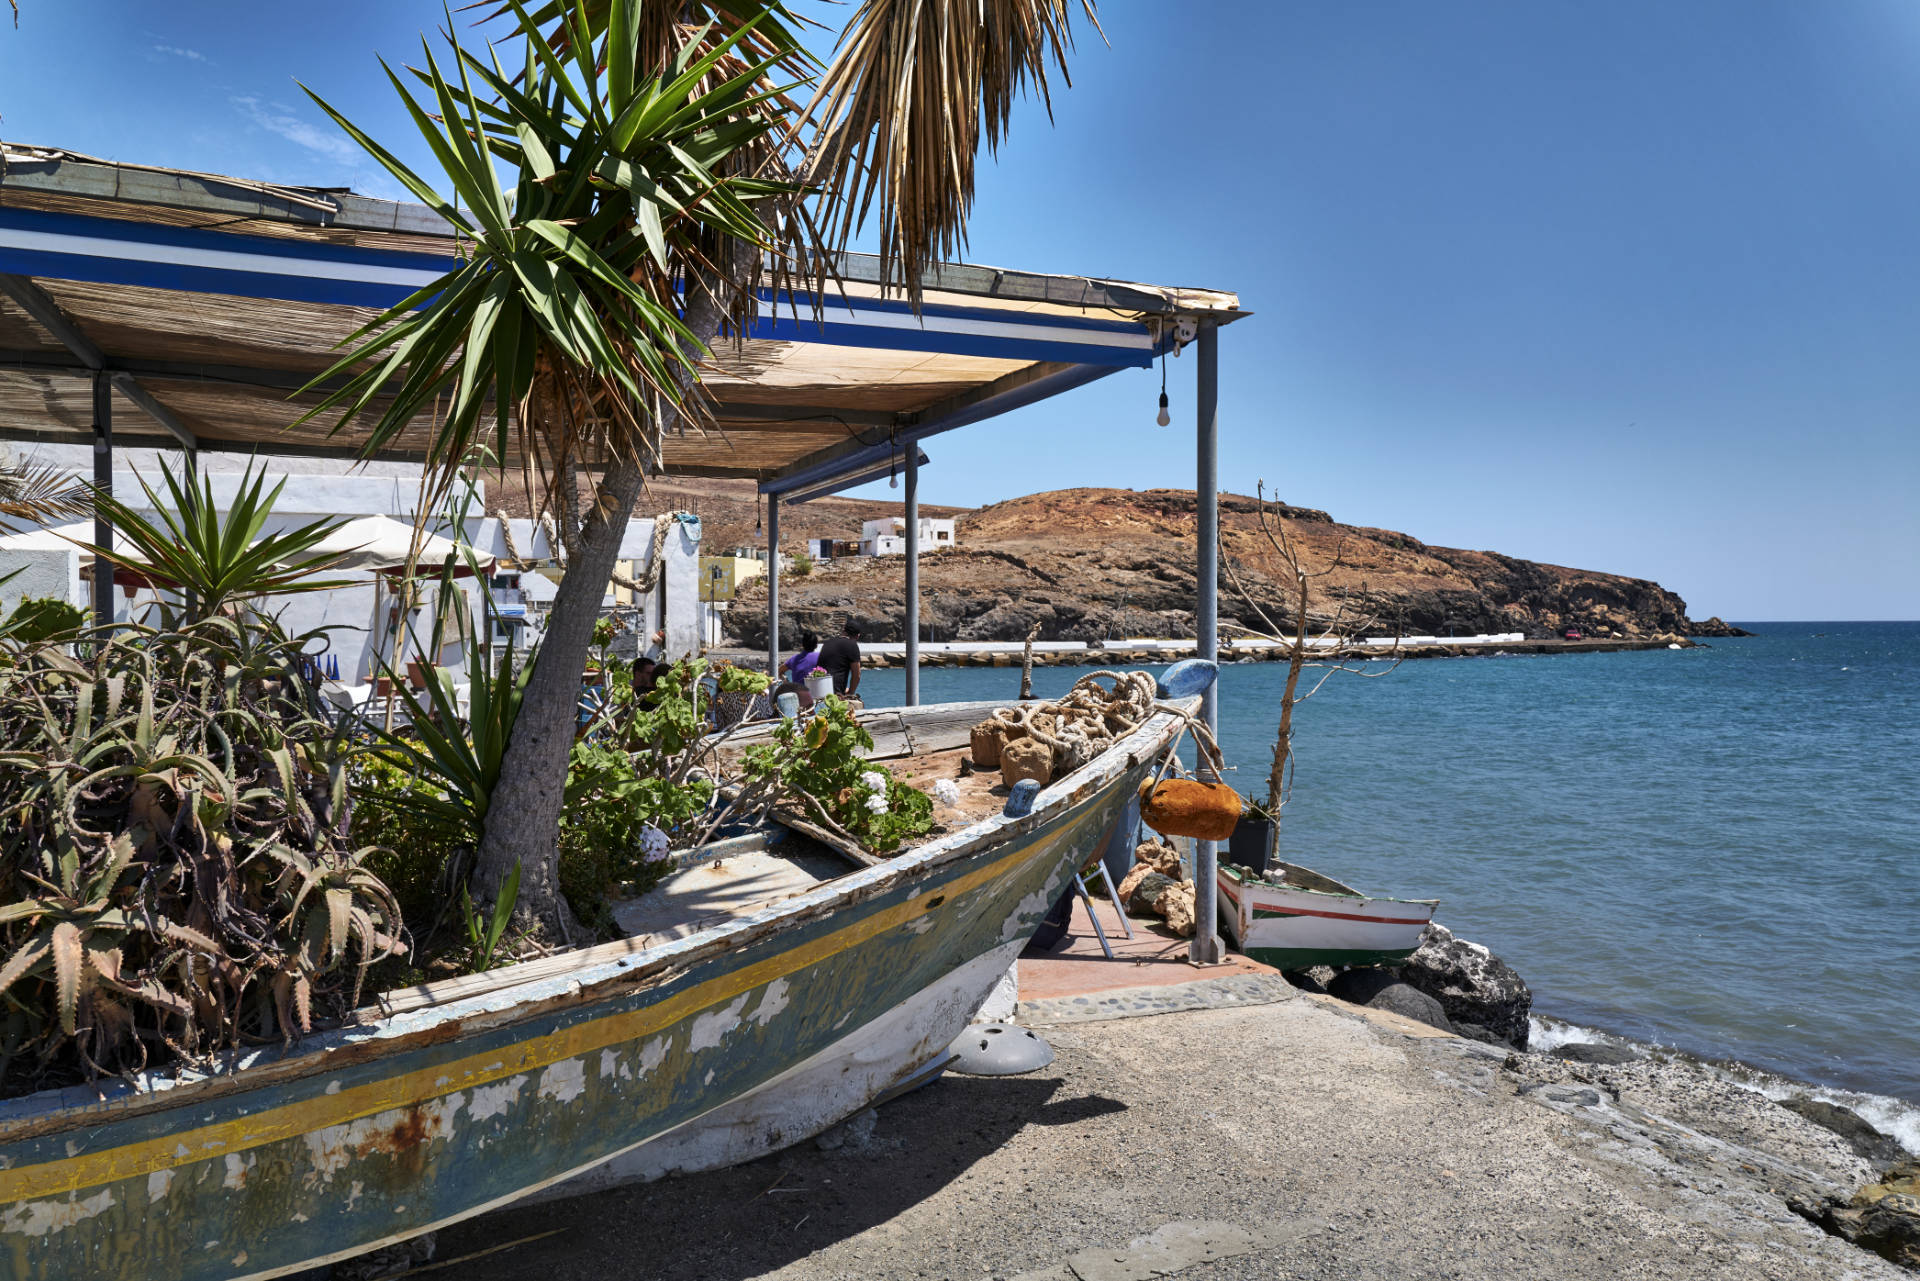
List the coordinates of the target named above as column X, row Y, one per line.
column 1824, row 1162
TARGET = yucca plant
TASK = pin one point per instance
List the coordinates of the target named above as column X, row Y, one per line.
column 622, row 198
column 215, row 559
column 462, row 754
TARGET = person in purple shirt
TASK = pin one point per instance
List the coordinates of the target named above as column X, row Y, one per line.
column 797, row 667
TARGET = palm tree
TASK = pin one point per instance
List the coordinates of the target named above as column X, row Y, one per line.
column 35, row 494
column 621, row 199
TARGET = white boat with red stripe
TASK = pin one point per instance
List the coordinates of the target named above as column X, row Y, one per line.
column 1293, row 918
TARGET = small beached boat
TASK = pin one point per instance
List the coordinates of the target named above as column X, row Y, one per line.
column 767, row 994
column 1294, row 918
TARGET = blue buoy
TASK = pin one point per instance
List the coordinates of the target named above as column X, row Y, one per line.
column 1188, row 677
column 1020, row 799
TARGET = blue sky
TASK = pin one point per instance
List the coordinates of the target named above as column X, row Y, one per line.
column 1628, row 286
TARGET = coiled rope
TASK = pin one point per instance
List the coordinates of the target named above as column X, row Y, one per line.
column 1088, row 719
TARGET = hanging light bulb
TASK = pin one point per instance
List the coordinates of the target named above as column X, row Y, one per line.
column 893, row 477
column 756, row 516
column 1163, row 418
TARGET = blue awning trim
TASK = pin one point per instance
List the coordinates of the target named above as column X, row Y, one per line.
column 110, row 251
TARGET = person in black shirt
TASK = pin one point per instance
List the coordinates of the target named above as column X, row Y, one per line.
column 840, row 659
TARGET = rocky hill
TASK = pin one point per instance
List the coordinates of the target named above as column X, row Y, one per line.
column 1088, row 564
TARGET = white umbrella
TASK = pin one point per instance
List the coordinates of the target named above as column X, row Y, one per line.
column 381, row 544
column 377, row 544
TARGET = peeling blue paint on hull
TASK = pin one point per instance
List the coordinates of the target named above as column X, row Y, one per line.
column 380, row 1133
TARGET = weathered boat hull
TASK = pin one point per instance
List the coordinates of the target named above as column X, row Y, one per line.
column 903, row 1046
column 1293, row 927
column 380, row 1133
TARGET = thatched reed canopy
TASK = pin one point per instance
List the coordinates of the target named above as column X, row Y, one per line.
column 209, row 300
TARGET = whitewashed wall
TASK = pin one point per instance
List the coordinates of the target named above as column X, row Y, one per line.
column 319, row 489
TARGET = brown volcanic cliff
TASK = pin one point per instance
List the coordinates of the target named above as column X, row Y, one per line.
column 1087, row 564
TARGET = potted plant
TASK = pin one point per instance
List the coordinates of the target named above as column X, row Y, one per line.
column 1252, row 839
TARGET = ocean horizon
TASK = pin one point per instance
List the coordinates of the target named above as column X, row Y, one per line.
column 1707, row 850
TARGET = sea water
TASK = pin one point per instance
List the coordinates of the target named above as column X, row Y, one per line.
column 1714, row 850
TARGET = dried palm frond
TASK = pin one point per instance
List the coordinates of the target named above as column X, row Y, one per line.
column 34, row 494
column 900, row 110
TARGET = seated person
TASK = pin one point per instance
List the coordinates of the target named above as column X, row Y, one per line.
column 796, row 668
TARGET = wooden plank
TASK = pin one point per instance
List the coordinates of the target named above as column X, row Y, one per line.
column 442, row 991
column 889, row 735
column 837, row 844
column 943, row 727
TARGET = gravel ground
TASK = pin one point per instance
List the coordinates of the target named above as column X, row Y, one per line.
column 1292, row 1139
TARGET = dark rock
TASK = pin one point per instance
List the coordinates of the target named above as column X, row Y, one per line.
column 1146, row 896
column 1471, row 984
column 1410, row 1002
column 1849, row 1125
column 1383, row 990
column 1883, row 1217
column 1714, row 627
column 1890, row 1227
column 1362, row 985
column 1314, row 979
column 1594, row 1052
column 1476, row 1032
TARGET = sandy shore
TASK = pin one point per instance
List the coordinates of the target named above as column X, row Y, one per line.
column 1298, row 1138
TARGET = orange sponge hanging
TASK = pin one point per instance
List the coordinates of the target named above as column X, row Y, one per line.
column 1186, row 807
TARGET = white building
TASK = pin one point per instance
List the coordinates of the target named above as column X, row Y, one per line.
column 362, row 618
column 888, row 536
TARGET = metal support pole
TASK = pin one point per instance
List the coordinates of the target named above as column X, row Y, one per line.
column 773, row 587
column 913, row 575
column 1206, row 948
column 103, row 481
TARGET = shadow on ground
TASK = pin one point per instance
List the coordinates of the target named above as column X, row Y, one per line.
column 731, row 1225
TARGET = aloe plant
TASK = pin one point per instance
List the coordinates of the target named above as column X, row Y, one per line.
column 174, row 874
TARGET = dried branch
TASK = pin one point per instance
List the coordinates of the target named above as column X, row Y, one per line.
column 1298, row 640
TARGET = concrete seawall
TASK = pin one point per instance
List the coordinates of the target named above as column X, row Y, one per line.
column 1118, row 657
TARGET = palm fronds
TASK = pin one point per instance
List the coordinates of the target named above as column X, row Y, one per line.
column 34, row 494
column 627, row 183
column 900, row 111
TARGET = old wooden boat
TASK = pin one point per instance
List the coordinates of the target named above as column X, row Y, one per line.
column 1294, row 918
column 760, row 1016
